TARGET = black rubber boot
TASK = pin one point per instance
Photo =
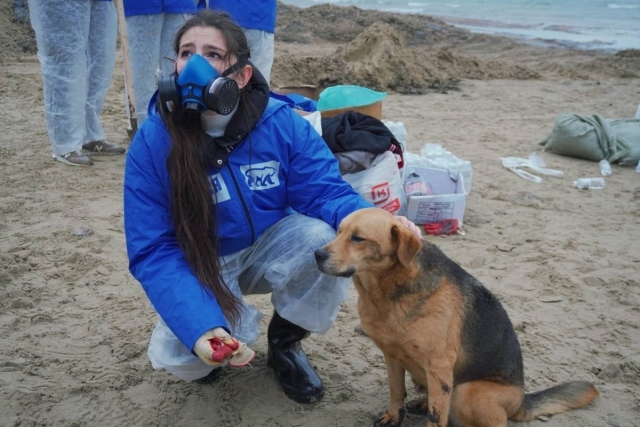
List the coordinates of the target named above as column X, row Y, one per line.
column 297, row 377
column 210, row 377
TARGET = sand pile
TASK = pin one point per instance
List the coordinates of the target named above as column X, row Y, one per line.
column 342, row 24
column 624, row 64
column 380, row 58
column 501, row 56
column 16, row 36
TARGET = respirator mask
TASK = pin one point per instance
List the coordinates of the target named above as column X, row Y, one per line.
column 199, row 87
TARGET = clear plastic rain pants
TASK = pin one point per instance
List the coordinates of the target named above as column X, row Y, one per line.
column 281, row 262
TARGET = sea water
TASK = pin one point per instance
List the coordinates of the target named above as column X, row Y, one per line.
column 610, row 25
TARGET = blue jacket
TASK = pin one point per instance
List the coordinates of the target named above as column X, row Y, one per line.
column 281, row 167
column 155, row 7
column 252, row 14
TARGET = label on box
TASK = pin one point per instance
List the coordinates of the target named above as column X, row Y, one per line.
column 435, row 211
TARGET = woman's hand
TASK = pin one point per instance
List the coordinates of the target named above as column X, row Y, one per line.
column 216, row 347
column 411, row 226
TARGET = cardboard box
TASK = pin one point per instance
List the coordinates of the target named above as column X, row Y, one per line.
column 374, row 110
column 447, row 202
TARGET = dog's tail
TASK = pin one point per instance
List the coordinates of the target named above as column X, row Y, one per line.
column 554, row 400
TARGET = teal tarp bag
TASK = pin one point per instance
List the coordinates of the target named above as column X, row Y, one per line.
column 595, row 138
column 348, row 96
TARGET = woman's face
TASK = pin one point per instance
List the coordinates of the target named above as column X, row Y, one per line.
column 209, row 43
column 206, row 42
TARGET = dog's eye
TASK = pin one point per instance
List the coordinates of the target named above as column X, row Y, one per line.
column 357, row 239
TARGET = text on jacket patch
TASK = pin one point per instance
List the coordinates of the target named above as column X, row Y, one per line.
column 260, row 176
column 220, row 191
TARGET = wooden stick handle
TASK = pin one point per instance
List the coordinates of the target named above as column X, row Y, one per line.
column 124, row 44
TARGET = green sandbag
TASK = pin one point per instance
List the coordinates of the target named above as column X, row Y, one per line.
column 628, row 136
column 595, row 138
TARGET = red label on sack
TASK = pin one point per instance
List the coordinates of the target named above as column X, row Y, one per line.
column 392, row 207
column 380, row 193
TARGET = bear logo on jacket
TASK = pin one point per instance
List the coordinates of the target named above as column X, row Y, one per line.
column 261, row 176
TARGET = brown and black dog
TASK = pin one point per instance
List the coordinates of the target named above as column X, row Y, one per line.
column 433, row 319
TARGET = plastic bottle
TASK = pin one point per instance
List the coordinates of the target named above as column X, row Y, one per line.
column 589, row 183
column 638, row 113
column 638, row 167
column 416, row 186
column 605, row 167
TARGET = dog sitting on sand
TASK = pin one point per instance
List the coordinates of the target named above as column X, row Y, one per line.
column 431, row 318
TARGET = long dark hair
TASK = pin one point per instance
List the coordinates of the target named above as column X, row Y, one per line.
column 193, row 211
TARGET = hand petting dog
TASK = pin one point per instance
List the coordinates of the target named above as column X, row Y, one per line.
column 410, row 225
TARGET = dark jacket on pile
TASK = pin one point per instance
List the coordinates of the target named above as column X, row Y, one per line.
column 356, row 139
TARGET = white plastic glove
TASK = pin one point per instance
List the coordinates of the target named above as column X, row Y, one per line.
column 216, row 347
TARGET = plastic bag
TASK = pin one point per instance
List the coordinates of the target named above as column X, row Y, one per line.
column 534, row 162
column 399, row 132
column 381, row 184
column 437, row 157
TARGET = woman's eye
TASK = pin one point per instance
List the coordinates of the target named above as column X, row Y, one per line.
column 357, row 239
column 185, row 54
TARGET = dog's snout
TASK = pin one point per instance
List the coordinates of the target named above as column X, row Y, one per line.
column 321, row 255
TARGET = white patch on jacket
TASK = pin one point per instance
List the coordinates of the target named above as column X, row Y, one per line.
column 261, row 176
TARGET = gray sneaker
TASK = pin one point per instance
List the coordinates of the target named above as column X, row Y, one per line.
column 74, row 158
column 103, row 147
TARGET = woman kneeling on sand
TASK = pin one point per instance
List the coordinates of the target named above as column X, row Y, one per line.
column 228, row 193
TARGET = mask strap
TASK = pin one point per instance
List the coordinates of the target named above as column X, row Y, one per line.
column 235, row 67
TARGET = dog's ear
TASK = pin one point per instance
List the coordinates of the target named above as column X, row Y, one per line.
column 407, row 243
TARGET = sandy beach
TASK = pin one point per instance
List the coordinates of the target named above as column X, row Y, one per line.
column 74, row 324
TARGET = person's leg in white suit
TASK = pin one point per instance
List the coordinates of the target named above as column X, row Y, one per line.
column 261, row 46
column 101, row 59
column 150, row 42
column 75, row 71
column 62, row 33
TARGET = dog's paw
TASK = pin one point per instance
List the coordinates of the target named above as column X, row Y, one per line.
column 418, row 406
column 389, row 420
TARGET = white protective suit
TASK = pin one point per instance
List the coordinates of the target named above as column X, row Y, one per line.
column 77, row 50
column 261, row 46
column 150, row 46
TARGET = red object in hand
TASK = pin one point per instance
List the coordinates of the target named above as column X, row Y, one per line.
column 221, row 350
column 446, row 226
